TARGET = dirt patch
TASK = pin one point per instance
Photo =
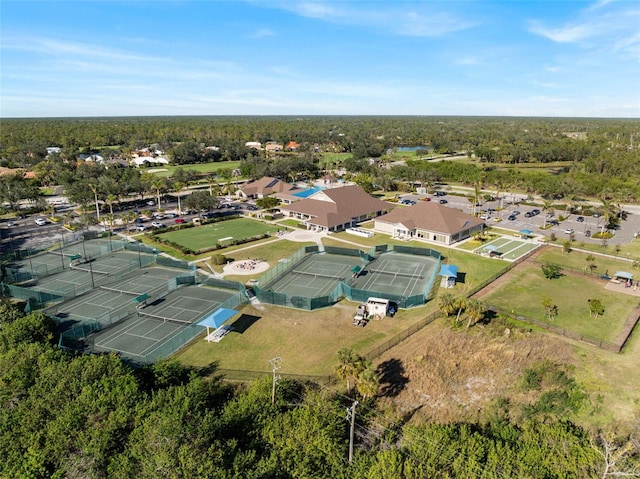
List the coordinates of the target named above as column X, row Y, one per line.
column 449, row 376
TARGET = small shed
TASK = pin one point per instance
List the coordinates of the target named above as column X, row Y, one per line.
column 449, row 274
column 216, row 320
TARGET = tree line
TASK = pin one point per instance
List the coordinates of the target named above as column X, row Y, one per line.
column 73, row 415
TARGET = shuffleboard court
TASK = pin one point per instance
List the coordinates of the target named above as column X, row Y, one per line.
column 506, row 248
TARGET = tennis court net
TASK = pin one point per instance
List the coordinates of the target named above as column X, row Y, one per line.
column 318, row 275
column 57, row 252
column 89, row 270
column 121, row 291
column 164, row 319
column 397, row 273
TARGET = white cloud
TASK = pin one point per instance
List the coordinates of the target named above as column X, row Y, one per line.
column 566, row 34
column 56, row 47
column 421, row 19
column 263, row 32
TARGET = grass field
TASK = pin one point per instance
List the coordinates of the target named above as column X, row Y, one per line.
column 167, row 170
column 209, row 235
column 578, row 260
column 526, row 287
column 306, row 341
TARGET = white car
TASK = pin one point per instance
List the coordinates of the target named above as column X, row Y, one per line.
column 140, row 227
column 157, row 224
column 569, row 231
column 41, row 221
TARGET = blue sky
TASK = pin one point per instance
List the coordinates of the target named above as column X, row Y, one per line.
column 123, row 58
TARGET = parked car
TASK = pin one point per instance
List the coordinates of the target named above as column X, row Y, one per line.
column 179, row 221
column 484, row 216
column 157, row 224
column 512, row 217
column 140, row 227
column 554, row 223
column 569, row 231
column 528, row 214
column 516, row 212
column 443, row 202
column 151, row 203
column 535, row 212
column 10, row 224
column 587, row 233
column 41, row 221
column 426, row 198
column 596, row 215
column 440, row 193
column 580, row 219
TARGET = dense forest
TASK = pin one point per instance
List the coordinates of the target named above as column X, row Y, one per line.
column 570, row 159
column 76, row 416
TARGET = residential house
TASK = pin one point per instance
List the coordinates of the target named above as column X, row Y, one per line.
column 336, row 209
column 292, row 146
column 430, row 222
column 255, row 145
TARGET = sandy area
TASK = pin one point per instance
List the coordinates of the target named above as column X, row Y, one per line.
column 246, row 266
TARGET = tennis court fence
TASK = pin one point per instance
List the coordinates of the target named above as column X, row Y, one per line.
column 40, row 297
column 86, row 325
column 266, row 295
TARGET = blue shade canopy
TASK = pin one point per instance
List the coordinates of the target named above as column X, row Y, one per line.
column 491, row 247
column 216, row 319
column 526, row 232
column 623, row 274
column 448, row 270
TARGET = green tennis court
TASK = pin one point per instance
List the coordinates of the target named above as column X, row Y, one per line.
column 317, row 275
column 397, row 274
column 168, row 321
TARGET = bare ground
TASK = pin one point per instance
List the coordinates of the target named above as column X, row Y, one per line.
column 446, row 376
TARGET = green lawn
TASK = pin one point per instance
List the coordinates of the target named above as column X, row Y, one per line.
column 526, row 287
column 307, row 341
column 167, row 170
column 578, row 260
column 208, row 235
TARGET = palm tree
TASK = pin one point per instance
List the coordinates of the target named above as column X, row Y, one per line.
column 348, row 367
column 447, row 304
column 159, row 185
column 128, row 218
column 367, row 382
column 547, row 206
column 94, row 188
column 609, row 210
column 178, row 186
column 110, row 200
column 475, row 310
column 212, row 182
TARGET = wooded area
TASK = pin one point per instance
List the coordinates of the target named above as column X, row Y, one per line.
column 73, row 416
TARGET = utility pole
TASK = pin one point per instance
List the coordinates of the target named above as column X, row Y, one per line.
column 351, row 417
column 275, row 364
